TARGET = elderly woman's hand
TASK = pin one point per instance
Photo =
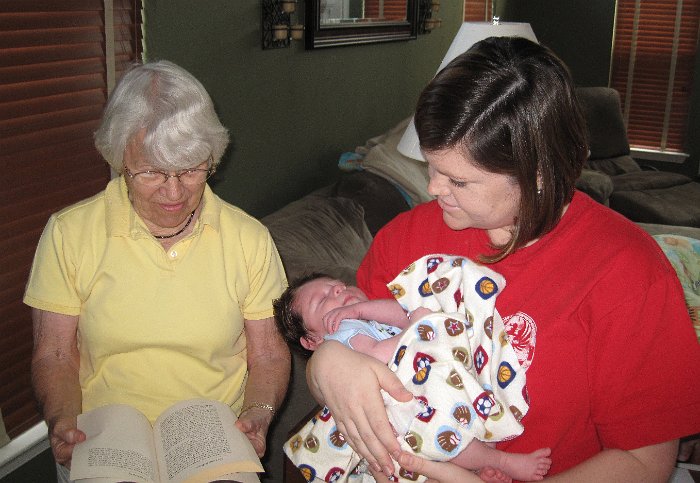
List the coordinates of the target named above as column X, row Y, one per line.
column 348, row 383
column 254, row 423
column 63, row 436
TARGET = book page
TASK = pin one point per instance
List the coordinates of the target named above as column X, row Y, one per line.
column 238, row 478
column 119, row 445
column 197, row 440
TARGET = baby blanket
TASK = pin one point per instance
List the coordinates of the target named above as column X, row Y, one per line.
column 464, row 374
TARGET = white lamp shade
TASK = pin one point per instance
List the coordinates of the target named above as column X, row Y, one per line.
column 468, row 34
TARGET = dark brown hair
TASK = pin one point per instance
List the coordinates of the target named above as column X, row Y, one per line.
column 288, row 320
column 510, row 105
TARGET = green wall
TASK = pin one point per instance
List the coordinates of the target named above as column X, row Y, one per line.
column 291, row 112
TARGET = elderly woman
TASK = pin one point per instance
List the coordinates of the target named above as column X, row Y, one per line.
column 155, row 290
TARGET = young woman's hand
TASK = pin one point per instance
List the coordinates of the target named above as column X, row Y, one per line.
column 689, row 450
column 349, row 383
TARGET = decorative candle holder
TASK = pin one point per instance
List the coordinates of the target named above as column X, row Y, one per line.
column 279, row 23
column 297, row 31
column 279, row 31
column 289, row 6
column 430, row 24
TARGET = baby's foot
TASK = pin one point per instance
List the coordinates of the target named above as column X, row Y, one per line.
column 527, row 467
column 492, row 475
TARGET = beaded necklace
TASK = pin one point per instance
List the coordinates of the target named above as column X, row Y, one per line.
column 189, row 220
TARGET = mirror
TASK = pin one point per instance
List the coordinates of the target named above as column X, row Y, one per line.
column 332, row 23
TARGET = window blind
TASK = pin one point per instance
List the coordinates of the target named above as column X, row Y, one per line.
column 652, row 64
column 386, row 9
column 53, row 87
column 478, row 11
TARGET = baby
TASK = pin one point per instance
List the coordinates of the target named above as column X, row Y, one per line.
column 318, row 308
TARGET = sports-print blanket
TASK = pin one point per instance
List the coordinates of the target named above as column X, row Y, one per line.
column 464, row 374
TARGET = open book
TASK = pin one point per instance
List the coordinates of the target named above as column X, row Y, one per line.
column 192, row 441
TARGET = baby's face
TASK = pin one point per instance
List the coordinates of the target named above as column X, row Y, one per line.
column 316, row 298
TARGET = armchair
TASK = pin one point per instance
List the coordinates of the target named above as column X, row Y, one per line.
column 613, row 177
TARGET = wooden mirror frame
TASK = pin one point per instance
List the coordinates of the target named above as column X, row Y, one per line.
column 357, row 34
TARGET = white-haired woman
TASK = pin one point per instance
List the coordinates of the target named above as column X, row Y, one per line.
column 155, row 290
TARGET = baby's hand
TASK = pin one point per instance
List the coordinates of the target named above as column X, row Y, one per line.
column 332, row 319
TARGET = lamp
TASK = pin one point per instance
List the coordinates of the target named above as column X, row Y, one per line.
column 468, row 34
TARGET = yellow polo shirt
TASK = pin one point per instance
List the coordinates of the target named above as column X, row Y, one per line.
column 155, row 326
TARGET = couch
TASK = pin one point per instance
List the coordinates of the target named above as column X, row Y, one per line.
column 330, row 229
column 613, row 177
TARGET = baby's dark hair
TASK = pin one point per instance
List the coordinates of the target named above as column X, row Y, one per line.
column 288, row 320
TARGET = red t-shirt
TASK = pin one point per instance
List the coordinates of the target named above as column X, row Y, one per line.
column 614, row 362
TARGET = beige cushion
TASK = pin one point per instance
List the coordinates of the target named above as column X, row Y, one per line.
column 382, row 158
column 320, row 234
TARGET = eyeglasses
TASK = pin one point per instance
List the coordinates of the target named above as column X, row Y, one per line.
column 188, row 177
